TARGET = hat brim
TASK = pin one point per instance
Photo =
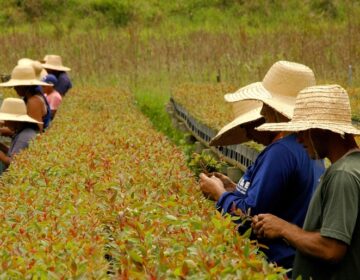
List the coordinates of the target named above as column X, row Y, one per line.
column 56, row 67
column 295, row 126
column 256, row 91
column 252, row 91
column 282, row 104
column 17, row 118
column 235, row 132
column 15, row 82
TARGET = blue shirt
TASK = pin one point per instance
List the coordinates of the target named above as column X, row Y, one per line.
column 21, row 140
column 280, row 182
column 63, row 84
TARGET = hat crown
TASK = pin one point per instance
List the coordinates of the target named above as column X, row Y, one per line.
column 38, row 68
column 287, row 78
column 13, row 106
column 54, row 62
column 23, row 72
column 25, row 61
column 323, row 104
column 53, row 59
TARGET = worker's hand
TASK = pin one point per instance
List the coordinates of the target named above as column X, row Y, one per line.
column 5, row 131
column 212, row 187
column 268, row 226
column 229, row 185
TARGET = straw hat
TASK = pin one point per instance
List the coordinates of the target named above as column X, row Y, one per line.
column 279, row 87
column 235, row 132
column 324, row 107
column 40, row 72
column 23, row 75
column 14, row 109
column 54, row 62
column 278, row 90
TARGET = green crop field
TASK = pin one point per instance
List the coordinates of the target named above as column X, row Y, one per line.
column 105, row 181
column 102, row 182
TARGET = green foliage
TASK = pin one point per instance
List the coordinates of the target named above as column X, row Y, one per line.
column 250, row 14
column 152, row 104
column 101, row 182
column 204, row 163
column 118, row 13
column 205, row 102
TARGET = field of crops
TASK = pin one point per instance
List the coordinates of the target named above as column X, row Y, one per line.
column 206, row 102
column 103, row 194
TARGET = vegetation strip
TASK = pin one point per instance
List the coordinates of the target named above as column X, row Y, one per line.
column 101, row 182
column 238, row 155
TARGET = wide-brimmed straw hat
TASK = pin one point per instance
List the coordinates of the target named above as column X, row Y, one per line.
column 54, row 62
column 279, row 87
column 278, row 90
column 14, row 109
column 324, row 107
column 235, row 132
column 40, row 72
column 23, row 75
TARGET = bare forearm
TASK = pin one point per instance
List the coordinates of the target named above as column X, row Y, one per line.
column 309, row 243
column 313, row 244
column 5, row 159
column 4, row 148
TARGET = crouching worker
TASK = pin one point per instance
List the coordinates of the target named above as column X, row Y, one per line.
column 13, row 113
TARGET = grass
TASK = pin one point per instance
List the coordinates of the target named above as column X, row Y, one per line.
column 166, row 44
column 152, row 104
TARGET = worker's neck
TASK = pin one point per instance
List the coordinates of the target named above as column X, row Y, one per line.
column 339, row 147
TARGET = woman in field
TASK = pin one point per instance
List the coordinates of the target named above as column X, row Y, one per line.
column 24, row 81
column 53, row 65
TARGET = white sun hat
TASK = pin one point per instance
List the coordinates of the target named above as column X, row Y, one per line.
column 54, row 62
column 324, row 107
column 279, row 87
column 23, row 75
column 14, row 109
column 40, row 72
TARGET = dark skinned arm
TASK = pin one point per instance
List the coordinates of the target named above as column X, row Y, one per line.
column 5, row 131
column 309, row 243
column 35, row 108
column 5, row 159
column 4, row 148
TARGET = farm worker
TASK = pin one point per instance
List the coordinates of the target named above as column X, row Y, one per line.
column 53, row 65
column 53, row 97
column 26, row 85
column 328, row 246
column 13, row 113
column 283, row 177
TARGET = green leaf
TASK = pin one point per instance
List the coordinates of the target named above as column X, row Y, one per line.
column 171, row 217
column 135, row 256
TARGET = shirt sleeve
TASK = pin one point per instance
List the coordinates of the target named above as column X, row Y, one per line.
column 21, row 142
column 55, row 101
column 63, row 84
column 272, row 172
column 340, row 206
